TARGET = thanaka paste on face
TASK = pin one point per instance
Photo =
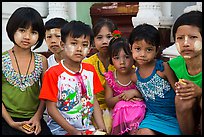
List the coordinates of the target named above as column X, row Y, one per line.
column 198, row 46
column 19, row 35
column 186, row 40
column 69, row 48
column 72, row 48
column 85, row 51
column 179, row 50
column 178, row 47
column 52, row 31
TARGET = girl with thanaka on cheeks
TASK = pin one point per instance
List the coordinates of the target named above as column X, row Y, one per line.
column 69, row 87
column 155, row 80
column 22, row 70
column 187, row 32
column 102, row 30
column 121, row 94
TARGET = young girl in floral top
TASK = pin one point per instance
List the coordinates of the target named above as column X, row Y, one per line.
column 22, row 70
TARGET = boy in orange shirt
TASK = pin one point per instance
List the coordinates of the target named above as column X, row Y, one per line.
column 69, row 88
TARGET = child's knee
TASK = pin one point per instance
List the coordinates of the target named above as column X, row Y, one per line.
column 145, row 131
column 184, row 105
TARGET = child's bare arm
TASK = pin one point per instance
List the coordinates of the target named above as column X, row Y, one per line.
column 98, row 116
column 110, row 100
column 170, row 75
column 35, row 120
column 13, row 124
column 56, row 116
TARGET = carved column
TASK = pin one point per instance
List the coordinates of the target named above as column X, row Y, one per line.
column 151, row 13
column 198, row 6
column 57, row 9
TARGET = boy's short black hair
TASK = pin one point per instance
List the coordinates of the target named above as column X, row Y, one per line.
column 193, row 18
column 55, row 23
column 76, row 29
column 25, row 17
column 145, row 32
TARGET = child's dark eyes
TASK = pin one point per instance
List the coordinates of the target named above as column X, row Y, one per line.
column 179, row 38
column 21, row 29
column 117, row 57
column 73, row 43
column 99, row 37
column 85, row 45
column 193, row 37
column 48, row 37
column 137, row 49
column 183, row 37
column 149, row 50
column 34, row 32
column 109, row 36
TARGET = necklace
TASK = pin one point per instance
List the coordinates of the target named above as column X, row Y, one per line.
column 98, row 66
column 100, row 69
column 124, row 85
column 21, row 79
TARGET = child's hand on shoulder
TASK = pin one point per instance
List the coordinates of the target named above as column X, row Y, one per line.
column 187, row 89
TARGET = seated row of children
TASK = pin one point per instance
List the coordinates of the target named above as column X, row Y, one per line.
column 122, row 89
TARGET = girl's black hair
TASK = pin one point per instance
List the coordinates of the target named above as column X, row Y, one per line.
column 193, row 18
column 145, row 32
column 24, row 17
column 76, row 29
column 55, row 23
column 116, row 45
column 103, row 22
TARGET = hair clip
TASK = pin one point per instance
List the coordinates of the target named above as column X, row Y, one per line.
column 116, row 33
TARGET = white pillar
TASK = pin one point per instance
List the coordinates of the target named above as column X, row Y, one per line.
column 72, row 11
column 198, row 7
column 57, row 9
column 151, row 13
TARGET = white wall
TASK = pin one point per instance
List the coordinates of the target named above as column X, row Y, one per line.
column 8, row 8
column 176, row 9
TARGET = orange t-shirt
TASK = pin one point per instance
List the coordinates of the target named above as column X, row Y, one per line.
column 65, row 87
column 58, row 79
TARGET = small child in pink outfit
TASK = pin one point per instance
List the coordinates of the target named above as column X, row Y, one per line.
column 121, row 93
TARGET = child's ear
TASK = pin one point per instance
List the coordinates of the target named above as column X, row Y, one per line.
column 158, row 52
column 89, row 50
column 130, row 47
column 62, row 44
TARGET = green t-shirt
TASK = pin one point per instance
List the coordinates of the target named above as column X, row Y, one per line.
column 178, row 65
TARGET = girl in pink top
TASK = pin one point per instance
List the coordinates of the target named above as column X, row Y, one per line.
column 121, row 94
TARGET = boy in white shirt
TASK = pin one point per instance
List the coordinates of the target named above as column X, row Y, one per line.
column 53, row 38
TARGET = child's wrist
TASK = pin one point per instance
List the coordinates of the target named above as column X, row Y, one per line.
column 102, row 129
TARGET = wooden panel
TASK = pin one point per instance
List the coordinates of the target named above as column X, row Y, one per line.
column 120, row 12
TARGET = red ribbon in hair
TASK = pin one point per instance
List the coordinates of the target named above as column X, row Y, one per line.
column 116, row 33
